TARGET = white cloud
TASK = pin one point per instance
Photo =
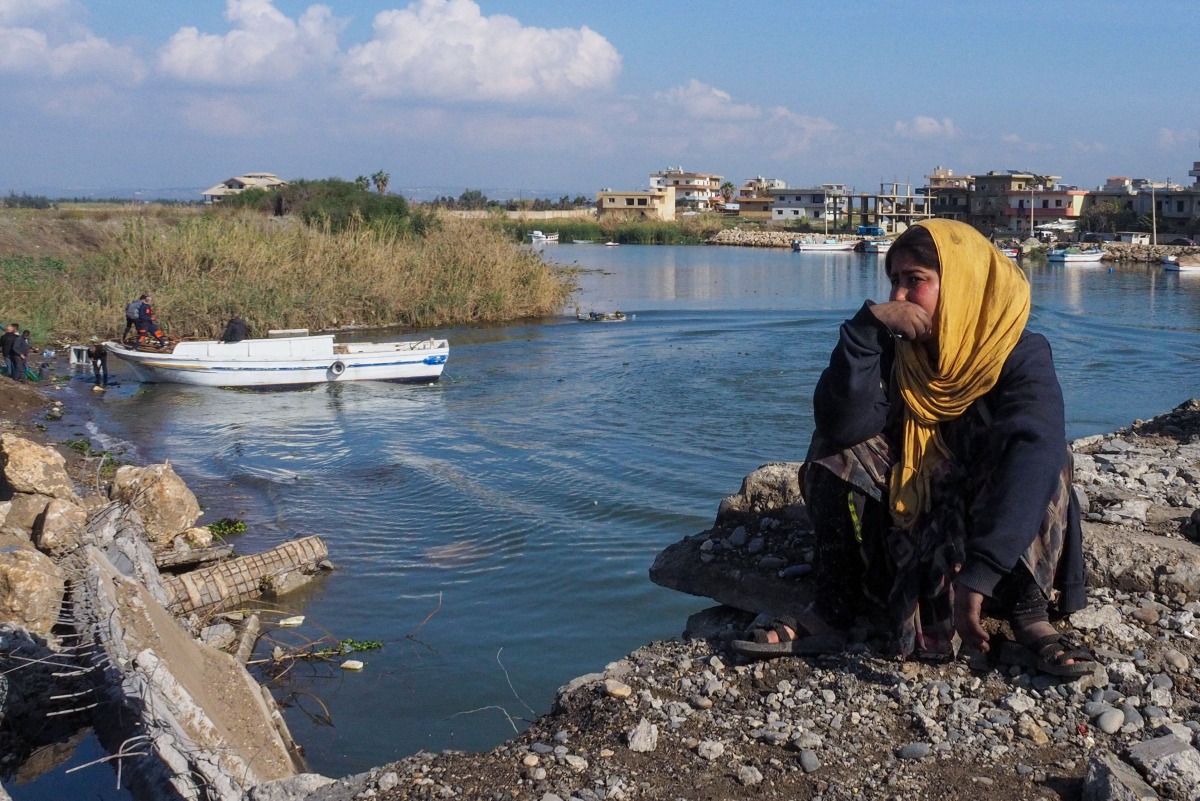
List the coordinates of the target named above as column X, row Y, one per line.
column 794, row 133
column 264, row 46
column 447, row 49
column 699, row 101
column 1080, row 146
column 1169, row 137
column 926, row 128
column 58, row 51
column 18, row 12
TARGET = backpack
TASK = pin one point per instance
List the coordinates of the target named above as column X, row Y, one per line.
column 134, row 309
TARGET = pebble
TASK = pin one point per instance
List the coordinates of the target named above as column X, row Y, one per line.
column 749, row 775
column 1176, row 660
column 644, row 737
column 710, row 749
column 1110, row 722
column 617, row 689
column 530, row 760
column 914, row 751
column 387, row 781
column 809, row 761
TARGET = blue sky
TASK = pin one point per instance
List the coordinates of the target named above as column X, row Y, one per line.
column 533, row 98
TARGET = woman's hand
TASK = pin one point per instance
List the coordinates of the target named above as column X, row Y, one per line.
column 968, row 609
column 905, row 320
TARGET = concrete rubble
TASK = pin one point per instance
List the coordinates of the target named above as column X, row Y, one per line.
column 93, row 636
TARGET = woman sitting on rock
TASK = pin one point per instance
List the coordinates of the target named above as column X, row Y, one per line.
column 939, row 477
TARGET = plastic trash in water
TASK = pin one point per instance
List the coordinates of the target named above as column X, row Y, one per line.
column 352, row 664
column 296, row 620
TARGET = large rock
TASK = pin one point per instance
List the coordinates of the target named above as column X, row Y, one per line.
column 166, row 505
column 1171, row 765
column 1110, row 779
column 60, row 528
column 24, row 510
column 773, row 489
column 29, row 467
column 1140, row 562
column 31, row 589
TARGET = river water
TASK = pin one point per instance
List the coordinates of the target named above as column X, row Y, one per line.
column 494, row 530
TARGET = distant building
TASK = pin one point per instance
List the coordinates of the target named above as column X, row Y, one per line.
column 656, row 204
column 990, row 197
column 698, row 190
column 824, row 202
column 1039, row 205
column 240, row 183
column 948, row 194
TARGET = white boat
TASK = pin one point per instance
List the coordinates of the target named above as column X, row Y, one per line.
column 611, row 244
column 286, row 360
column 828, row 244
column 539, row 238
column 876, row 245
column 1075, row 255
column 1181, row 264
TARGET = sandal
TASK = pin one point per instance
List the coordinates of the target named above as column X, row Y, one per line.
column 1050, row 655
column 791, row 642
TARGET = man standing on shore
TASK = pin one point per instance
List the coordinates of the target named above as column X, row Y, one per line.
column 98, row 356
column 6, row 349
column 20, row 349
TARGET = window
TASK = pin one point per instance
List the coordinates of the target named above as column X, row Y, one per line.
column 795, row 212
column 641, row 201
column 612, row 200
column 628, row 201
column 1045, row 204
column 1058, row 203
column 1179, row 206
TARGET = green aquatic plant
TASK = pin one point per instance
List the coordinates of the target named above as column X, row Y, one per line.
column 227, row 526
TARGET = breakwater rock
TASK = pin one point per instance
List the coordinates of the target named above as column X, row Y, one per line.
column 762, row 239
column 1127, row 251
column 688, row 719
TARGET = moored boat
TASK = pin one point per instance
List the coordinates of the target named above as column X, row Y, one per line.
column 539, row 238
column 827, row 244
column 1182, row 264
column 876, row 245
column 286, row 360
column 1075, row 255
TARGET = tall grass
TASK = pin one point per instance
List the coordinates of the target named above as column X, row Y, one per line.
column 281, row 273
column 683, row 231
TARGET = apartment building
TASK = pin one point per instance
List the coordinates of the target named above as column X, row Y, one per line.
column 697, row 190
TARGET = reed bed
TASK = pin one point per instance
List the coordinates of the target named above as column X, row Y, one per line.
column 684, row 231
column 280, row 273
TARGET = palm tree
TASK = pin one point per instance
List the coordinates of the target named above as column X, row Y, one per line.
column 381, row 179
column 728, row 190
column 363, row 182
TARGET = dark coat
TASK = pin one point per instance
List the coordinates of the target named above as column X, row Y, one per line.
column 1019, row 424
column 235, row 330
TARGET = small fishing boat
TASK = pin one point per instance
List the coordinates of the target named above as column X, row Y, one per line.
column 601, row 317
column 1075, row 255
column 539, row 238
column 1012, row 253
column 1181, row 264
column 611, row 244
column 876, row 245
column 827, row 244
column 291, row 359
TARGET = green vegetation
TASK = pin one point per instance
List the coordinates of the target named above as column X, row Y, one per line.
column 226, row 527
column 336, row 203
column 370, row 263
column 684, row 231
column 108, row 462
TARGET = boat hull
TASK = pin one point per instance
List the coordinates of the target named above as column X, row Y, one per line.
column 272, row 363
column 812, row 247
column 1075, row 257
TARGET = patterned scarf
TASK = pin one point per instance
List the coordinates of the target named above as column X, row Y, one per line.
column 982, row 307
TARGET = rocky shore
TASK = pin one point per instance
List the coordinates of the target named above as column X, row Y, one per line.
column 687, row 719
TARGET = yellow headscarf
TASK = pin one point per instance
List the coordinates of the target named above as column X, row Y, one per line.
column 982, row 307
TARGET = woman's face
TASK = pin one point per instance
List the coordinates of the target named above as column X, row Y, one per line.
column 914, row 282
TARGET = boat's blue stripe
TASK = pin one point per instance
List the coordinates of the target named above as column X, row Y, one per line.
column 431, row 360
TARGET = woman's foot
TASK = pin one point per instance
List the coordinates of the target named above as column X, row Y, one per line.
column 1046, row 649
column 783, row 636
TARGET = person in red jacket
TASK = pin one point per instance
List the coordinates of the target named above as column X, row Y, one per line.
column 147, row 325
